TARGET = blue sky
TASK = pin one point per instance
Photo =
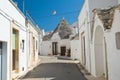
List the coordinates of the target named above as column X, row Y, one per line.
column 41, row 11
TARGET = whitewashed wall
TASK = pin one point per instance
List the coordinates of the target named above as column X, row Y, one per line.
column 63, row 42
column 85, row 23
column 75, row 50
column 11, row 12
column 5, row 37
column 47, row 45
column 32, row 33
column 84, row 28
column 46, row 48
column 112, row 52
column 23, row 54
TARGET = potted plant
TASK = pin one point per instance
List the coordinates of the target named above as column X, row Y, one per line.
column 68, row 52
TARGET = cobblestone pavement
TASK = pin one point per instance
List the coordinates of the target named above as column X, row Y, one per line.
column 55, row 68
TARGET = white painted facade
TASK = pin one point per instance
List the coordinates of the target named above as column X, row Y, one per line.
column 9, row 19
column 60, row 43
column 110, row 51
column 5, row 39
column 12, row 18
column 85, row 23
column 113, row 52
column 46, row 48
column 64, row 43
column 75, row 49
column 33, row 38
column 23, row 52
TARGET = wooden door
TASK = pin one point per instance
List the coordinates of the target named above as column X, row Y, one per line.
column 63, row 51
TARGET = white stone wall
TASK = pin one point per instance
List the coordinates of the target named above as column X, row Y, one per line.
column 46, row 48
column 11, row 17
column 5, row 37
column 23, row 54
column 32, row 32
column 84, row 28
column 75, row 50
column 85, row 24
column 8, row 14
column 61, row 42
column 112, row 52
column 65, row 43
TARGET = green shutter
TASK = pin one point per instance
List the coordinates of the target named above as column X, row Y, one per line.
column 14, row 39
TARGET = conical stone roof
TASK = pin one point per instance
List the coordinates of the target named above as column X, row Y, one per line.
column 63, row 29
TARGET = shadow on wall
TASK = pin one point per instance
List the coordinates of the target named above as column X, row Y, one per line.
column 55, row 71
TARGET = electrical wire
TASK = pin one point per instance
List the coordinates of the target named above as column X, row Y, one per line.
column 65, row 13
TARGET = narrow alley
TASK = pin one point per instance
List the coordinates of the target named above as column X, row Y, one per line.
column 55, row 68
column 59, row 39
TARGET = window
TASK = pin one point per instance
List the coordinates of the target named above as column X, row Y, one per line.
column 23, row 45
column 118, row 40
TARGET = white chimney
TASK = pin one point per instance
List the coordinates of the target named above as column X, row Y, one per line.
column 43, row 32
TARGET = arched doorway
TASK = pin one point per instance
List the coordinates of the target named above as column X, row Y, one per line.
column 100, row 53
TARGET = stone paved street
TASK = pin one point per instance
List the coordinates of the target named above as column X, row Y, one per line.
column 54, row 68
